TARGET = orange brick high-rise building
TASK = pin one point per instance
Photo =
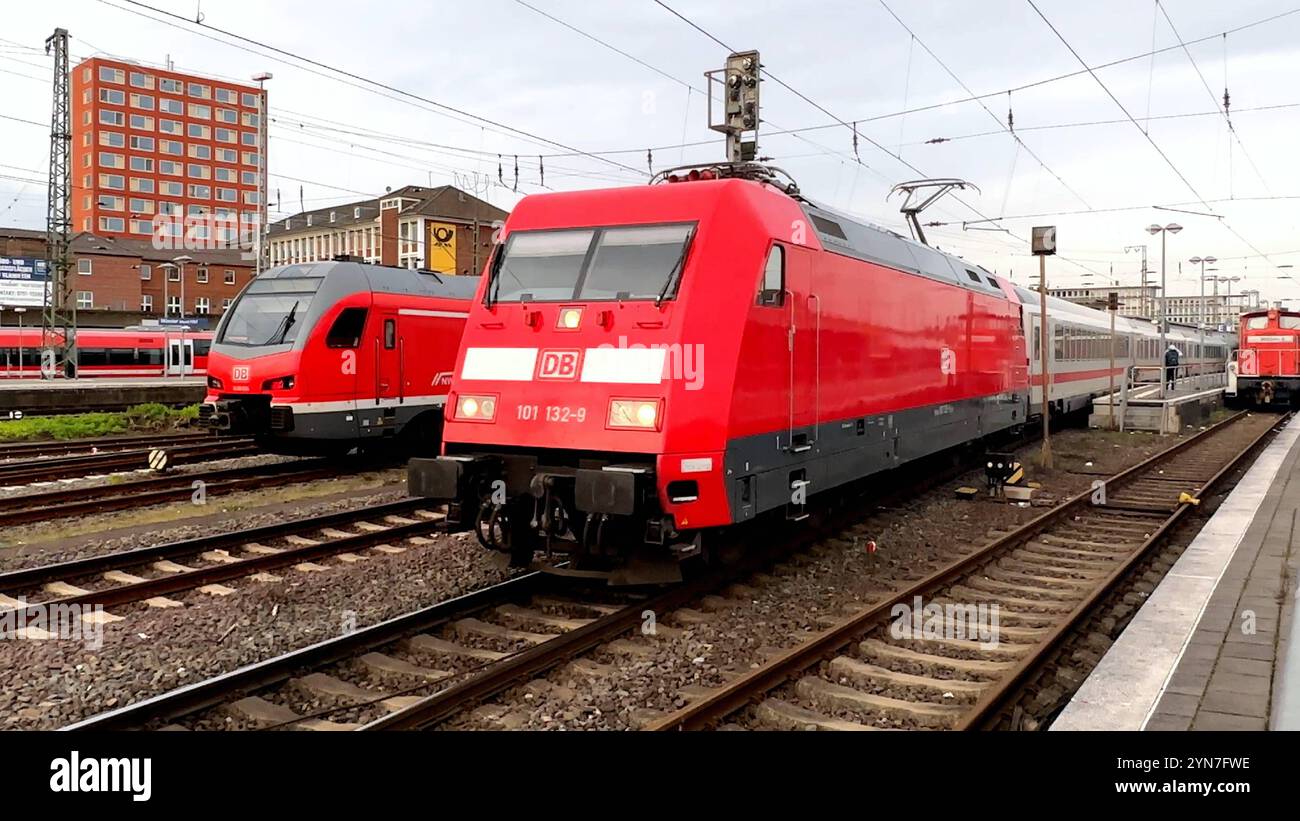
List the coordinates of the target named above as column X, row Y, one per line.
column 149, row 142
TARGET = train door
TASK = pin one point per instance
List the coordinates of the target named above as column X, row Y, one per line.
column 804, row 338
column 180, row 356
column 388, row 359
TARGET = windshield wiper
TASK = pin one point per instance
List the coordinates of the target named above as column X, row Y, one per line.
column 282, row 330
column 674, row 271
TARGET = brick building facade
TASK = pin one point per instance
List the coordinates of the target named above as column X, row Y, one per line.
column 440, row 229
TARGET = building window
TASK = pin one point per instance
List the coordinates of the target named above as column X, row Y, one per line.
column 111, row 160
column 141, row 226
column 198, row 171
column 201, row 276
column 142, row 144
column 112, row 96
column 248, row 137
column 141, row 80
column 252, row 198
column 201, row 306
column 174, row 305
column 85, row 300
column 109, row 117
column 171, row 168
column 112, row 224
column 167, row 106
column 172, row 189
column 112, row 139
column 144, row 101
column 249, row 119
column 114, row 181
column 225, row 174
column 229, row 155
column 198, row 90
column 199, row 132
column 200, row 112
column 225, row 304
column 109, row 202
column 200, row 152
column 170, row 85
column 171, row 127
column 172, row 148
column 226, row 195
column 201, row 192
column 85, row 266
column 146, row 272
column 230, row 277
column 249, row 157
column 142, row 185
column 144, row 164
column 225, row 135
column 111, row 75
column 225, row 95
column 227, row 115
column 248, row 177
column 146, row 303
column 173, row 273
column 249, row 100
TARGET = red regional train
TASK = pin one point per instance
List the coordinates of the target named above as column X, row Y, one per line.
column 1268, row 361
column 112, row 353
column 646, row 365
column 323, row 357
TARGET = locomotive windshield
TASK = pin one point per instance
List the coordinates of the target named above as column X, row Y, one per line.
column 270, row 312
column 591, row 264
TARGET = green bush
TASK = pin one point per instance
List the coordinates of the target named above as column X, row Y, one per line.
column 151, row 417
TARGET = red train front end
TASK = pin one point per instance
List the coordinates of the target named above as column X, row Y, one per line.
column 1268, row 361
column 325, row 357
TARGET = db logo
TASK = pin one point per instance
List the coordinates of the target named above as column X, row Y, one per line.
column 239, row 374
column 558, row 365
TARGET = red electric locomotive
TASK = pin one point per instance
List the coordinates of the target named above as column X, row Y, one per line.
column 323, row 357
column 1268, row 361
column 644, row 365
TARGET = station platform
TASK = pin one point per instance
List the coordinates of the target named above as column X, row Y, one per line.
column 1140, row 406
column 33, row 397
column 1213, row 647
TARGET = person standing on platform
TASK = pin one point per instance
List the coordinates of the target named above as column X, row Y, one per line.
column 1171, row 366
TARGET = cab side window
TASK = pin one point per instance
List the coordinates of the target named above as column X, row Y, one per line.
column 390, row 333
column 346, row 330
column 772, row 290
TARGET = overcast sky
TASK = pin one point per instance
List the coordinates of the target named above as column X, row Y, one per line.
column 341, row 139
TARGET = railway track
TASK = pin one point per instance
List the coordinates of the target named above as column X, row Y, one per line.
column 464, row 649
column 82, row 501
column 939, row 669
column 29, row 471
column 419, row 670
column 100, row 444
column 150, row 574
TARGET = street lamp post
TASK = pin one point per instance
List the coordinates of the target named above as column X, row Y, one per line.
column 180, row 262
column 1218, row 319
column 1203, row 261
column 1142, row 293
column 1171, row 228
column 167, row 268
column 20, row 312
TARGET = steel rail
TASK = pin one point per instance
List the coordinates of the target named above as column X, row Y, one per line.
column 217, row 690
column 14, row 580
column 738, row 693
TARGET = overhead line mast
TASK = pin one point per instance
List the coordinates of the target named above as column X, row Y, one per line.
column 59, row 311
